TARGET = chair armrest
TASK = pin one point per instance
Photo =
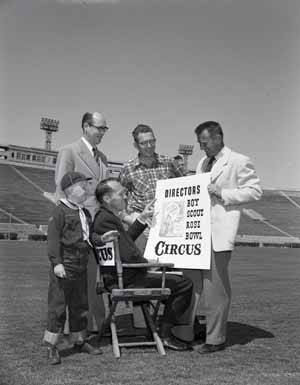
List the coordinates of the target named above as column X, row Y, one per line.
column 146, row 265
column 163, row 266
column 173, row 272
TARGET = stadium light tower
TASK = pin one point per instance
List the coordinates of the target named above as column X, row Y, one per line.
column 49, row 126
column 185, row 150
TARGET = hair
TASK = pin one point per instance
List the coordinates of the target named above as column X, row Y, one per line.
column 87, row 118
column 178, row 157
column 104, row 188
column 141, row 129
column 213, row 128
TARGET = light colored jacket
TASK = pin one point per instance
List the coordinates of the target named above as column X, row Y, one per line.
column 234, row 173
column 77, row 157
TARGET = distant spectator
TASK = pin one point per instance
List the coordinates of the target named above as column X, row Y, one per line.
column 179, row 162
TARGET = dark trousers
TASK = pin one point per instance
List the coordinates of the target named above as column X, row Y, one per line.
column 65, row 292
column 180, row 298
column 96, row 304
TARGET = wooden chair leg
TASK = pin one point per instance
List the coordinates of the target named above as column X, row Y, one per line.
column 155, row 312
column 114, row 337
column 151, row 325
column 111, row 321
column 112, row 309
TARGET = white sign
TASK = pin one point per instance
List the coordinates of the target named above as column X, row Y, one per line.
column 106, row 254
column 180, row 231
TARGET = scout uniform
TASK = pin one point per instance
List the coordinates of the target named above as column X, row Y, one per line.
column 69, row 245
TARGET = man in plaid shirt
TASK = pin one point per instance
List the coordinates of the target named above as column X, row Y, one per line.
column 140, row 174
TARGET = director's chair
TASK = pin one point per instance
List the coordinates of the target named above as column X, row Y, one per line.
column 109, row 255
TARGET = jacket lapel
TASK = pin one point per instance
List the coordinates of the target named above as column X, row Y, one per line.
column 218, row 167
column 88, row 159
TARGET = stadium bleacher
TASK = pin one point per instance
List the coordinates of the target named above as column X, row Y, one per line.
column 6, row 218
column 21, row 198
column 278, row 211
column 25, row 193
column 44, row 178
column 19, row 228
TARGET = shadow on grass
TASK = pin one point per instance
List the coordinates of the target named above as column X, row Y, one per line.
column 242, row 334
column 237, row 334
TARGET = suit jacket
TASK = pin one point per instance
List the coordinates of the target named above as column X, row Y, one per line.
column 77, row 157
column 234, row 173
column 105, row 221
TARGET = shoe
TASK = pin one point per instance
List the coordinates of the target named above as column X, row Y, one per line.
column 184, row 333
column 87, row 348
column 53, row 355
column 209, row 348
column 173, row 344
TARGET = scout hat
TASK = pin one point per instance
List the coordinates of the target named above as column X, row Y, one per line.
column 71, row 178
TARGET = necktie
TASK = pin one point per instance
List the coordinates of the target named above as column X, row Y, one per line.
column 210, row 164
column 96, row 153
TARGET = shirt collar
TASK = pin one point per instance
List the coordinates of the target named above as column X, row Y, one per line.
column 69, row 204
column 89, row 146
column 137, row 161
column 220, row 153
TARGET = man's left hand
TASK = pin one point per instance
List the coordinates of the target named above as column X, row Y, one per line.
column 147, row 213
column 214, row 190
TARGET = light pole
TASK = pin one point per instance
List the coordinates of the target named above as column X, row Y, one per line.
column 49, row 126
column 185, row 150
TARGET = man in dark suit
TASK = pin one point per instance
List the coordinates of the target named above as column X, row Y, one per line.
column 111, row 194
column 84, row 157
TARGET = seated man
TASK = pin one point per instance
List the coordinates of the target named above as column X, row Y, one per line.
column 112, row 197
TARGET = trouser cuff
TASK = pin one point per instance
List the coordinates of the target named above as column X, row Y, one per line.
column 51, row 338
column 79, row 337
column 215, row 341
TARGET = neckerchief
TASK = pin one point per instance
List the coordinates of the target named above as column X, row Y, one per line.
column 83, row 220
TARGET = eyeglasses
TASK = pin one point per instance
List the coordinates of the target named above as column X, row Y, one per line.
column 150, row 142
column 102, row 128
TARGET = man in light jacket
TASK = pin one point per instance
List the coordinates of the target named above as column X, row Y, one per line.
column 233, row 183
column 83, row 156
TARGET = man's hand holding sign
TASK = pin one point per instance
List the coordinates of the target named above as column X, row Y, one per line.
column 147, row 213
column 214, row 190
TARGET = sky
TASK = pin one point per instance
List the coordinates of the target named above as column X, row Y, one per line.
column 171, row 64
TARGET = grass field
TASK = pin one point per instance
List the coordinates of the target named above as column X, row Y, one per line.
column 263, row 338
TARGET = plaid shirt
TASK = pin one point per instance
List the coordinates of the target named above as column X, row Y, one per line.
column 140, row 180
